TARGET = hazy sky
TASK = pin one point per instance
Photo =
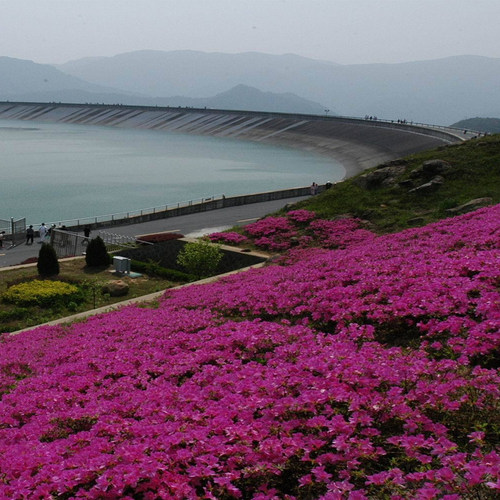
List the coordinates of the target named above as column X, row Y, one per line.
column 343, row 31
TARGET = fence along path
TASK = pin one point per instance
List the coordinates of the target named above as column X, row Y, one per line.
column 69, row 244
column 15, row 230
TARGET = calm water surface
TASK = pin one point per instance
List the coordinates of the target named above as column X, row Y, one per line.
column 57, row 172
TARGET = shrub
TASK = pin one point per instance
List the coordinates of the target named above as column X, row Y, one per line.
column 272, row 233
column 16, row 313
column 152, row 268
column 47, row 264
column 200, row 258
column 301, row 216
column 45, row 293
column 229, row 237
column 96, row 254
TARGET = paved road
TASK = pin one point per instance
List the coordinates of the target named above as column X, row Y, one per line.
column 189, row 225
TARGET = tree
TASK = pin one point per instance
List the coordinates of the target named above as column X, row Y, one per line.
column 47, row 264
column 96, row 254
column 200, row 258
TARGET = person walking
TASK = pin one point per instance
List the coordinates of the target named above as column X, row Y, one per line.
column 2, row 234
column 42, row 231
column 86, row 234
column 30, row 233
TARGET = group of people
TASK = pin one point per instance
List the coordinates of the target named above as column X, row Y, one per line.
column 44, row 233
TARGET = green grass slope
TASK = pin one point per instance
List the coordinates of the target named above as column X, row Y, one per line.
column 386, row 197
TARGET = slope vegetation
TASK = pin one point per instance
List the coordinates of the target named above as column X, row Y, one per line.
column 391, row 196
column 355, row 366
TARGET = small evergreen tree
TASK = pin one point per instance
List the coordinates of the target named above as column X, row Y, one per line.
column 47, row 264
column 96, row 254
column 200, row 258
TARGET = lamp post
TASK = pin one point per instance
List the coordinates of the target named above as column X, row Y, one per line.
column 326, row 112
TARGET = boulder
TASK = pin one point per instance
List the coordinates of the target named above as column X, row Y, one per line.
column 407, row 183
column 385, row 176
column 432, row 185
column 470, row 205
column 416, row 221
column 430, row 168
column 116, row 288
column 435, row 167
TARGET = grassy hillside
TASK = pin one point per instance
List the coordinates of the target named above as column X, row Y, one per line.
column 383, row 196
column 491, row 125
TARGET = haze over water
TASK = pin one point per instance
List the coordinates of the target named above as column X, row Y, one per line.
column 58, row 172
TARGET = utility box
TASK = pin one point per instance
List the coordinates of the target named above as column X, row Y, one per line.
column 122, row 265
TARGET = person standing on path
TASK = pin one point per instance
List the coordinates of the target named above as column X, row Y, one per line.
column 42, row 232
column 30, row 233
column 86, row 234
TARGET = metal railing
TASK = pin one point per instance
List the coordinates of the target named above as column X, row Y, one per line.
column 120, row 240
column 82, row 221
column 14, row 231
column 71, row 244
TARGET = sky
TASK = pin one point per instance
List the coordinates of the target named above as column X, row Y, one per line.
column 341, row 31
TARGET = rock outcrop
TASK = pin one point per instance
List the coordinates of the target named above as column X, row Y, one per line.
column 470, row 205
column 385, row 175
column 116, row 288
column 432, row 185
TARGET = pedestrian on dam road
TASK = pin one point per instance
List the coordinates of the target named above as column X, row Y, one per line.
column 30, row 233
column 2, row 234
column 86, row 234
column 42, row 231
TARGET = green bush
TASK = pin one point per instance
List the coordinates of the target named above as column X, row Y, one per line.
column 96, row 254
column 13, row 314
column 47, row 264
column 200, row 258
column 152, row 268
column 46, row 293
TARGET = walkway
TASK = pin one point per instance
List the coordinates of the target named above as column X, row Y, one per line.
column 192, row 225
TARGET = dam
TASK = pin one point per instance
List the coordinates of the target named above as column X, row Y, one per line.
column 354, row 142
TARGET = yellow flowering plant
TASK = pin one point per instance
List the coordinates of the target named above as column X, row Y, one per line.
column 42, row 293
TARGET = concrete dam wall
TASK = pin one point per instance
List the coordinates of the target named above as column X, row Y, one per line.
column 356, row 143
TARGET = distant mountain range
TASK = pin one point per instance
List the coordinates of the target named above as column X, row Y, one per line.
column 27, row 81
column 441, row 91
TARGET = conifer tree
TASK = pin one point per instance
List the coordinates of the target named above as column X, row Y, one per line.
column 47, row 264
column 96, row 254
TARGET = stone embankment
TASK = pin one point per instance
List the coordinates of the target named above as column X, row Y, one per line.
column 356, row 143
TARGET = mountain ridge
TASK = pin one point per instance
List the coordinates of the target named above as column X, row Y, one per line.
column 23, row 80
column 425, row 91
column 440, row 91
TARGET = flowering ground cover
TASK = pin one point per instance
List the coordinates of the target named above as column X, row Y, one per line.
column 366, row 369
column 297, row 228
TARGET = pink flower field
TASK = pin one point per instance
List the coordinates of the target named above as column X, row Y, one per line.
column 365, row 367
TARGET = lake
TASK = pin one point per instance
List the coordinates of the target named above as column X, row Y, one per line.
column 58, row 172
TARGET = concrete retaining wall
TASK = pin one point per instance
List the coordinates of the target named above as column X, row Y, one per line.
column 202, row 206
